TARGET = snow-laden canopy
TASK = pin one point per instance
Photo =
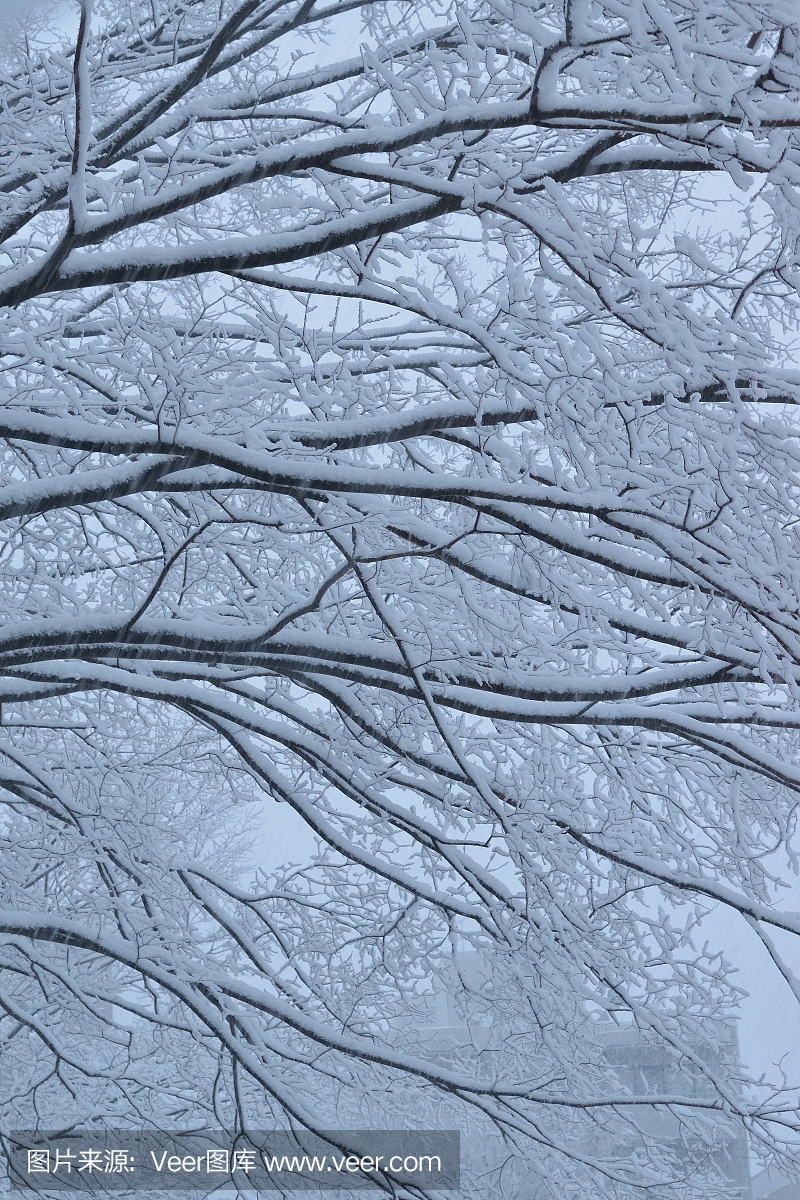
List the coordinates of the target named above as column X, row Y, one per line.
column 398, row 418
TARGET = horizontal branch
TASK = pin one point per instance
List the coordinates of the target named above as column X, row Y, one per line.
column 364, row 660
column 82, row 270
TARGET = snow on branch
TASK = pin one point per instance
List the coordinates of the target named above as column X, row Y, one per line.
column 399, row 634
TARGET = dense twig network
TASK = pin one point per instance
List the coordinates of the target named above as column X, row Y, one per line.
column 398, row 425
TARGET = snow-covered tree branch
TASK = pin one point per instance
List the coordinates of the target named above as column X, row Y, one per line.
column 398, row 426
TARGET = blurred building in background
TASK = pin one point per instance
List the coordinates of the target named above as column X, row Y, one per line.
column 770, row 1185
column 640, row 1066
